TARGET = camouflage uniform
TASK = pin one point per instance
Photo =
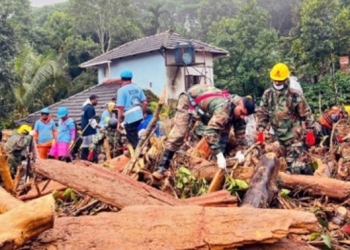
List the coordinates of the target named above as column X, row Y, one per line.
column 17, row 146
column 115, row 144
column 286, row 110
column 218, row 120
column 239, row 127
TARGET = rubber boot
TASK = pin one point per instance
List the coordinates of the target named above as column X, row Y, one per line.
column 164, row 164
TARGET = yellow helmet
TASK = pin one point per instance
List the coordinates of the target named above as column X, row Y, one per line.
column 24, row 128
column 279, row 72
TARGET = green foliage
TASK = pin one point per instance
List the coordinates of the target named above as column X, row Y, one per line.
column 188, row 185
column 110, row 21
column 36, row 72
column 321, row 95
column 284, row 193
column 70, row 194
column 234, row 185
column 253, row 50
column 321, row 34
column 327, row 241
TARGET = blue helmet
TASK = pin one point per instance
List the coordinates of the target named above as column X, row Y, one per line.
column 62, row 112
column 45, row 111
column 126, row 74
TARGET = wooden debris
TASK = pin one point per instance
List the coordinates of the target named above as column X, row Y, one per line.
column 220, row 198
column 33, row 193
column 281, row 245
column 146, row 135
column 103, row 184
column 262, row 188
column 7, row 201
column 315, row 185
column 190, row 227
column 217, row 181
column 5, row 173
column 341, row 215
column 26, row 222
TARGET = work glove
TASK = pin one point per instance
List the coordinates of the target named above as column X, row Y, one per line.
column 261, row 138
column 91, row 155
column 310, row 138
column 221, row 161
column 339, row 139
column 239, row 156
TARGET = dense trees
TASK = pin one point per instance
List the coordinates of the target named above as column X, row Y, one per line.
column 42, row 48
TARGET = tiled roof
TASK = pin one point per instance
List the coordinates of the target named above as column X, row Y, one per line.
column 167, row 40
column 105, row 91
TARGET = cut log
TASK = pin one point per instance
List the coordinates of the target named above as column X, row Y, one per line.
column 202, row 149
column 7, row 201
column 103, row 184
column 262, row 188
column 317, row 186
column 26, row 222
column 52, row 186
column 220, row 198
column 190, row 227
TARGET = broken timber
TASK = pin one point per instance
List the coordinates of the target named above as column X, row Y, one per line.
column 26, row 222
column 262, row 187
column 190, row 227
column 7, row 201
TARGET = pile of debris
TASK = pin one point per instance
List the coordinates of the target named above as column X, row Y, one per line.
column 119, row 205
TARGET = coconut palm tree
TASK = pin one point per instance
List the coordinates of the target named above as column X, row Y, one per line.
column 39, row 79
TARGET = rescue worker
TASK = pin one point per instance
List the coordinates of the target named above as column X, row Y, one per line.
column 287, row 112
column 107, row 114
column 44, row 133
column 114, row 142
column 327, row 120
column 131, row 104
column 148, row 116
column 18, row 146
column 65, row 136
column 217, row 111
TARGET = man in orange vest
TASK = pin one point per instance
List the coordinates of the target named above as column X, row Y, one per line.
column 327, row 120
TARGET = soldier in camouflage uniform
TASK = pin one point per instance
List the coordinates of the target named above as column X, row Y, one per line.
column 18, row 146
column 216, row 110
column 288, row 112
column 114, row 141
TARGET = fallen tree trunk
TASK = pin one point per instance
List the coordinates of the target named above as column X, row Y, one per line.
column 7, row 201
column 282, row 244
column 315, row 185
column 103, row 184
column 26, row 222
column 190, row 227
column 262, row 188
column 216, row 199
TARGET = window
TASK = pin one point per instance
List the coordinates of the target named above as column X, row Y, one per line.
column 191, row 80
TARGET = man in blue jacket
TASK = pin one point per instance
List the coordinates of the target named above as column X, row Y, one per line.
column 131, row 103
column 88, row 125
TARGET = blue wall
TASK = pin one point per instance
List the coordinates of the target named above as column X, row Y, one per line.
column 147, row 68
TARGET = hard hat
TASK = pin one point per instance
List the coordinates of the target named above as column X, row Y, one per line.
column 111, row 106
column 126, row 74
column 24, row 129
column 279, row 72
column 62, row 112
column 112, row 123
column 45, row 111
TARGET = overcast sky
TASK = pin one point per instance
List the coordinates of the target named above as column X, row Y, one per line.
column 39, row 3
